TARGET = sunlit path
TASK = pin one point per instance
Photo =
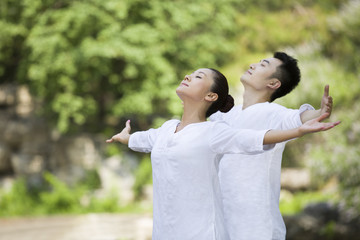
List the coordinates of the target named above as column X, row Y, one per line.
column 90, row 227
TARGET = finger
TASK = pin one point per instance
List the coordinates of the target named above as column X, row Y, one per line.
column 322, row 117
column 127, row 125
column 337, row 123
column 329, row 101
column 330, row 125
column 326, row 90
column 327, row 128
column 110, row 140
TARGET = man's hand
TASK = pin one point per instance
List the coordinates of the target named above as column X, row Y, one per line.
column 123, row 136
column 326, row 102
column 326, row 107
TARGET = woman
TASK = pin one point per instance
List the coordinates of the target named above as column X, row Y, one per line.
column 185, row 155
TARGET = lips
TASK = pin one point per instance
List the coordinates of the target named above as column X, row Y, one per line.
column 248, row 71
column 184, row 84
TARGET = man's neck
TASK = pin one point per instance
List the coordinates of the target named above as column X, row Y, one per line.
column 252, row 97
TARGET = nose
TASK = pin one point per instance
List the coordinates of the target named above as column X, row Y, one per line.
column 187, row 78
column 252, row 66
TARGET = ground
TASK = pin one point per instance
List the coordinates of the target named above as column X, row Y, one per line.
column 82, row 227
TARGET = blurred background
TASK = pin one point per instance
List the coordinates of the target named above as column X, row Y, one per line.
column 73, row 71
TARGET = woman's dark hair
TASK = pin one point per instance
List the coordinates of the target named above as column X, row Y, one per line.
column 288, row 74
column 220, row 86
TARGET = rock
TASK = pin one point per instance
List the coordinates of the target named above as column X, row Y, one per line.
column 294, row 179
column 29, row 135
column 6, row 183
column 322, row 221
column 24, row 103
column 7, row 95
column 25, row 164
column 5, row 155
column 72, row 156
column 29, row 166
column 323, row 212
column 116, row 173
column 37, row 139
column 15, row 132
column 5, row 118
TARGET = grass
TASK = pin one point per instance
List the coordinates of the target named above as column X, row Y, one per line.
column 291, row 204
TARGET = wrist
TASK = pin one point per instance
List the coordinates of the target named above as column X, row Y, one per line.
column 300, row 132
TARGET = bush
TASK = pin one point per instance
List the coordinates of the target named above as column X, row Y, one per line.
column 143, row 177
column 58, row 198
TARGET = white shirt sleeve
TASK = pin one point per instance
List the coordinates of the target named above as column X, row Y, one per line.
column 227, row 140
column 292, row 117
column 143, row 141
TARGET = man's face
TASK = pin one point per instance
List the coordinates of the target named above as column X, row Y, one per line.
column 259, row 74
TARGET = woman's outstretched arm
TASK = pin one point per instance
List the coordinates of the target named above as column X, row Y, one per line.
column 311, row 126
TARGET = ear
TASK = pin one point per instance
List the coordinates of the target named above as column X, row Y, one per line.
column 274, row 83
column 211, row 97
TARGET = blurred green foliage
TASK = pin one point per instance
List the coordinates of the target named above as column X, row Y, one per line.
column 332, row 61
column 92, row 62
column 59, row 198
column 143, row 177
column 294, row 204
column 343, row 42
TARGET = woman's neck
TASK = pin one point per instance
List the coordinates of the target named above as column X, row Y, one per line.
column 192, row 114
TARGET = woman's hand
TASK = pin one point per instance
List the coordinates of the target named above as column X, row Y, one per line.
column 123, row 136
column 315, row 125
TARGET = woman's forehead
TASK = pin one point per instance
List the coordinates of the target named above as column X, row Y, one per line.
column 207, row 72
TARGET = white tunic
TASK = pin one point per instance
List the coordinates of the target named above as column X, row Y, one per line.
column 250, row 184
column 187, row 202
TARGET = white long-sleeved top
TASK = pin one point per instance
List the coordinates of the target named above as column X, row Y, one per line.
column 250, row 184
column 187, row 202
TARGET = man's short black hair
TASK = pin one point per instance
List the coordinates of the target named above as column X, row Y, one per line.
column 288, row 74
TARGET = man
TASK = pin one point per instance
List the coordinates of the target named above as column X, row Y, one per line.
column 250, row 184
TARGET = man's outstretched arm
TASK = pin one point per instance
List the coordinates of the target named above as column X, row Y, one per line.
column 326, row 107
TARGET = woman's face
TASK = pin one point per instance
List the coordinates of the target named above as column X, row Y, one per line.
column 196, row 85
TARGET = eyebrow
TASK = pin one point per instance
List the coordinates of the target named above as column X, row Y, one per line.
column 264, row 60
column 203, row 73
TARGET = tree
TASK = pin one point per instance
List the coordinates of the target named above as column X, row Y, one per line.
column 334, row 61
column 343, row 43
column 93, row 62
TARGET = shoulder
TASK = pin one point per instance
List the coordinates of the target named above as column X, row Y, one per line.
column 273, row 112
column 218, row 116
column 280, row 110
column 235, row 109
column 276, row 106
column 217, row 125
column 170, row 123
